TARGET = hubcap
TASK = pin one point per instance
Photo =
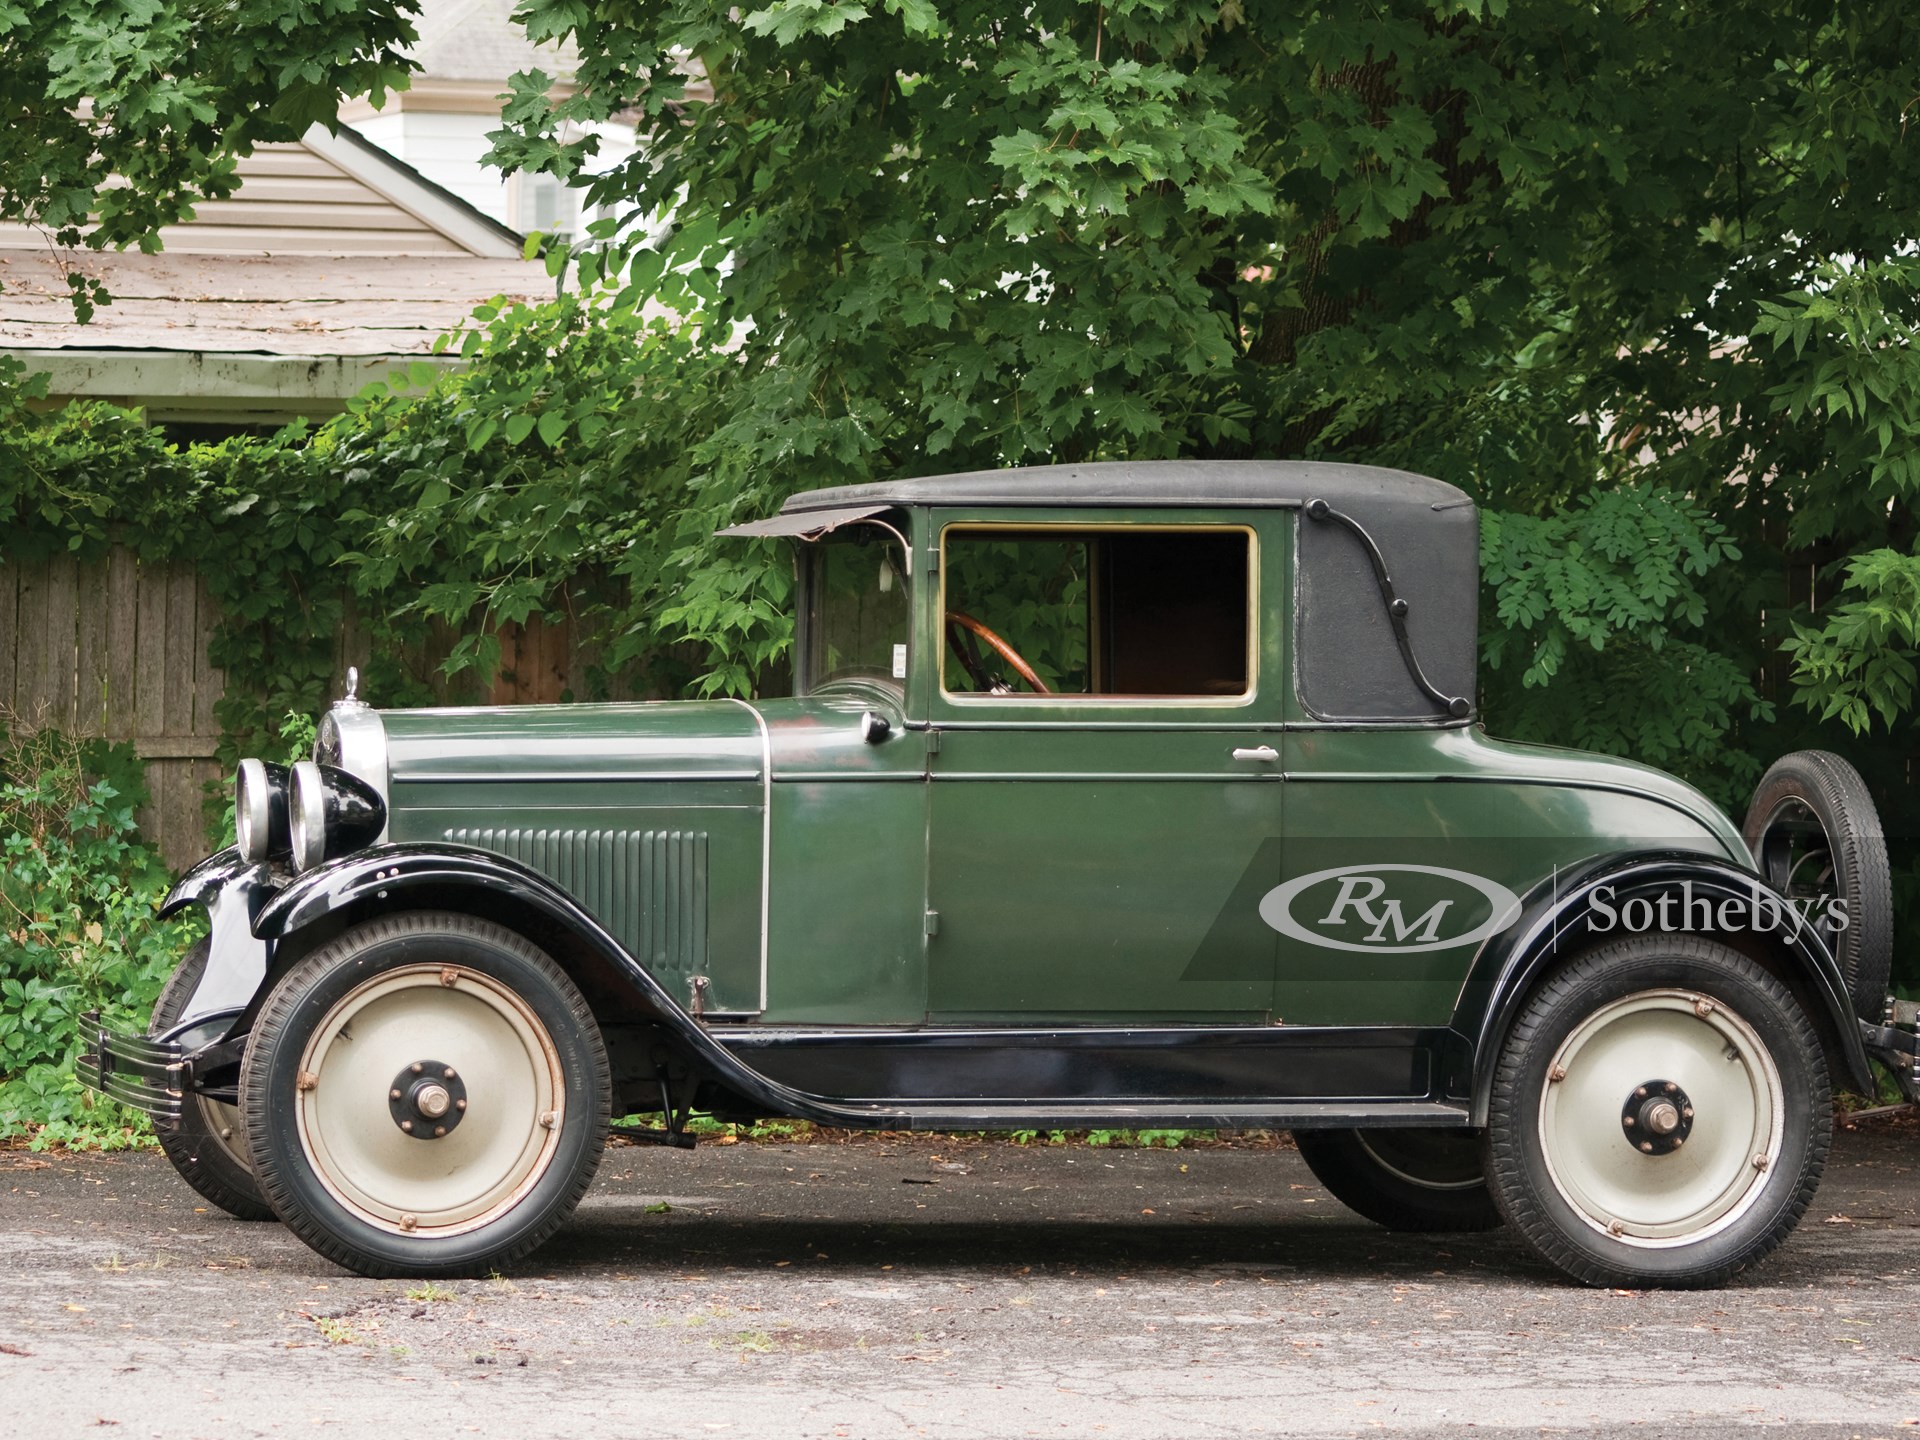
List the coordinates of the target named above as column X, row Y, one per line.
column 1668, row 1160
column 408, row 1056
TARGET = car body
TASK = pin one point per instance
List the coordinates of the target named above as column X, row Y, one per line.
column 1115, row 795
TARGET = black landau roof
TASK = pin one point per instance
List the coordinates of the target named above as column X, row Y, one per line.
column 1347, row 662
column 1284, row 483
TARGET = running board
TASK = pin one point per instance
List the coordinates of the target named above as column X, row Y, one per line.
column 1188, row 1115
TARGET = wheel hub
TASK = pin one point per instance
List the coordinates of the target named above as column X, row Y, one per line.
column 1657, row 1117
column 427, row 1100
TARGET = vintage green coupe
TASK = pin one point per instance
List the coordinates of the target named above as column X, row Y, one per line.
column 1114, row 795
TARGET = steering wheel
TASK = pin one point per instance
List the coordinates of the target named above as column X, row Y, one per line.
column 960, row 626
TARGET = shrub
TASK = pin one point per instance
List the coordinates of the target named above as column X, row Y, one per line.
column 79, row 894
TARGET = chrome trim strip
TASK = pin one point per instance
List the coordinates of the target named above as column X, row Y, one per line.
column 588, row 777
column 766, row 831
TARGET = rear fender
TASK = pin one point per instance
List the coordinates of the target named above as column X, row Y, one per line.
column 1560, row 917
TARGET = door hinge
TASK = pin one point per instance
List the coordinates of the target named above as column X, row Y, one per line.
column 933, row 922
column 933, row 741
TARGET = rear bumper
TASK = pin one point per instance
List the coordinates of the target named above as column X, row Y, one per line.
column 148, row 1075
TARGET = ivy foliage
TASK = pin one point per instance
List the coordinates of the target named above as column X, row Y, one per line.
column 78, row 896
column 121, row 114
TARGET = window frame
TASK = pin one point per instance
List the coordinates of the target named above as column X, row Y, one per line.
column 971, row 699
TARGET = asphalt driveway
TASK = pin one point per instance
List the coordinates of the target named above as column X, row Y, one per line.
column 887, row 1288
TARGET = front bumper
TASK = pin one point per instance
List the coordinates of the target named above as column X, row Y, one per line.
column 151, row 1076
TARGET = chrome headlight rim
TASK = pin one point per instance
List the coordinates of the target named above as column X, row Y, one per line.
column 307, row 814
column 260, row 809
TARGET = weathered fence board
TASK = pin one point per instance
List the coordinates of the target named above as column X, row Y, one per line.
column 118, row 649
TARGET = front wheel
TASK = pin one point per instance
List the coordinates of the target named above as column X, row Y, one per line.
column 1660, row 1115
column 1413, row 1181
column 426, row 1095
column 208, row 1146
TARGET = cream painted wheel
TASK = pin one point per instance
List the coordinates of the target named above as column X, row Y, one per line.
column 1659, row 1113
column 412, row 1182
column 1625, row 1176
column 427, row 1094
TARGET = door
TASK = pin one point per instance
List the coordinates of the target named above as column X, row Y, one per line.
column 1105, row 779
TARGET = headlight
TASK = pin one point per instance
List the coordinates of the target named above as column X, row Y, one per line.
column 332, row 813
column 260, row 810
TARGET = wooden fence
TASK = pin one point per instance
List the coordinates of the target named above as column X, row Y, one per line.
column 117, row 649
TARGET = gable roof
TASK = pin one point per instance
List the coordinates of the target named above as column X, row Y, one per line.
column 325, row 194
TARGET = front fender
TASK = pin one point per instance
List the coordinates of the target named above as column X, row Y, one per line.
column 384, row 878
column 1558, row 918
column 234, row 891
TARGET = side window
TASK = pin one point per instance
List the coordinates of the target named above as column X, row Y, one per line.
column 859, row 611
column 1097, row 612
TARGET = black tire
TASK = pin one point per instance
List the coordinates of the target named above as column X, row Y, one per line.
column 1814, row 831
column 207, row 1148
column 1670, row 977
column 1411, row 1181
column 481, row 965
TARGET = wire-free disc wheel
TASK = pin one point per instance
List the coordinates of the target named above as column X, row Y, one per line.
column 1660, row 1114
column 426, row 1095
column 1407, row 1180
column 209, row 1146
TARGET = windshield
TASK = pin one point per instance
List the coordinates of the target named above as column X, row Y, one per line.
column 858, row 614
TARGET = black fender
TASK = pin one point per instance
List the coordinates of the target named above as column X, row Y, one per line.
column 415, row 876
column 233, row 892
column 1558, row 918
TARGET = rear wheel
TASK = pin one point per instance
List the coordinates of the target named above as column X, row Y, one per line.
column 426, row 1095
column 1407, row 1180
column 208, row 1147
column 1660, row 1114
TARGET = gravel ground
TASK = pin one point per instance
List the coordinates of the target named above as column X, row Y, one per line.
column 946, row 1289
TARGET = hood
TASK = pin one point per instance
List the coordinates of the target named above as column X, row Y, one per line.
column 707, row 739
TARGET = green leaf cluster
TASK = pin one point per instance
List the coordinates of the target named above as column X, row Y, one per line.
column 78, row 897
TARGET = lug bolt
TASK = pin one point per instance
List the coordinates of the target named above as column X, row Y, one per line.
column 1759, row 1162
column 1647, row 1145
column 1627, row 1120
column 448, row 1074
column 547, row 1119
column 1641, row 1093
column 1558, row 1073
column 393, row 1094
column 460, row 1105
column 416, row 1068
column 1703, row 1008
column 407, row 1125
column 306, row 1080
column 1670, row 1087
column 438, row 1131
column 409, row 1222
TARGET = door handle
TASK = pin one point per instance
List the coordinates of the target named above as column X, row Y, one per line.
column 1257, row 752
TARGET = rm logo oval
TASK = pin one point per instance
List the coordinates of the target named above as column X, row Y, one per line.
column 1390, row 909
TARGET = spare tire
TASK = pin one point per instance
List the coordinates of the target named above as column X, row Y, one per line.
column 1815, row 834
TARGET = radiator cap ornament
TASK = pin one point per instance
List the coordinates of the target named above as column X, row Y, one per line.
column 351, row 700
